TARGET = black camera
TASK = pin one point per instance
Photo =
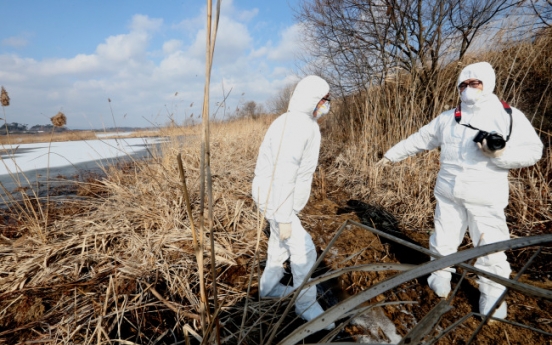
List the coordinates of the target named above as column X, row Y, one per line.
column 495, row 141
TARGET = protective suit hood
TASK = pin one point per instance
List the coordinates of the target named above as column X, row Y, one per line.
column 487, row 113
column 308, row 92
column 482, row 71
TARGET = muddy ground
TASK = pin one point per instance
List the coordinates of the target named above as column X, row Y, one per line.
column 323, row 216
column 359, row 246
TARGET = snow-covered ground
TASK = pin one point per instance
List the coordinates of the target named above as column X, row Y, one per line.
column 23, row 162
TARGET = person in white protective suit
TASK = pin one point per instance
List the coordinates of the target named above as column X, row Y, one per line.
column 287, row 159
column 472, row 185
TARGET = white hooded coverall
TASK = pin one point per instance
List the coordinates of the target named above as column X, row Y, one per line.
column 471, row 189
column 281, row 187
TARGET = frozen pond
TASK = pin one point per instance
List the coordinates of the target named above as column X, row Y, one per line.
column 28, row 163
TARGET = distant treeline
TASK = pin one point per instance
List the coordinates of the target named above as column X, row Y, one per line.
column 20, row 128
column 124, row 129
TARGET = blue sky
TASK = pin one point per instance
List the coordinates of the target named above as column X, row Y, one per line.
column 146, row 57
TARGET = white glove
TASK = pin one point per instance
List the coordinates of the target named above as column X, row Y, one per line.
column 383, row 162
column 488, row 152
column 285, row 230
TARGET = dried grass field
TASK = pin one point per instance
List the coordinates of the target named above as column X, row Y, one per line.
column 119, row 265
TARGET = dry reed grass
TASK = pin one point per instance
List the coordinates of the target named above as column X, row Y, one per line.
column 16, row 139
column 127, row 254
column 4, row 98
column 59, row 120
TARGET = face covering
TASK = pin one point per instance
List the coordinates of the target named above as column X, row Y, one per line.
column 322, row 110
column 470, row 95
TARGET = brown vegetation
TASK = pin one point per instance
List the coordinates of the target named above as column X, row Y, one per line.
column 144, row 249
column 59, row 120
column 4, row 98
column 16, row 139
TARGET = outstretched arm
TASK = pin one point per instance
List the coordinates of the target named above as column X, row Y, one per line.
column 427, row 138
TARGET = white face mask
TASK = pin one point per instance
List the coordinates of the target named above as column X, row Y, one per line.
column 322, row 110
column 470, row 95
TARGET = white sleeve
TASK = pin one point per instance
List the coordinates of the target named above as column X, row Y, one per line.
column 427, row 138
column 524, row 148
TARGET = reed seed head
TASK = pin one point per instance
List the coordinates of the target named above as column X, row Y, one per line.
column 59, row 120
column 4, row 98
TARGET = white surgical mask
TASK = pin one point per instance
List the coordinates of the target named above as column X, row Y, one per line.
column 470, row 95
column 322, row 110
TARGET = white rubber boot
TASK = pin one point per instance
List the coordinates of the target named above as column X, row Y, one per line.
column 313, row 311
column 486, row 302
column 439, row 284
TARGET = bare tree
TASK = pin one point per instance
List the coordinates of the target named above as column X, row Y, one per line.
column 359, row 43
column 470, row 17
column 279, row 103
column 543, row 10
column 251, row 109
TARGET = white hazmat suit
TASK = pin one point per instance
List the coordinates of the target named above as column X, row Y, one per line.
column 281, row 188
column 472, row 188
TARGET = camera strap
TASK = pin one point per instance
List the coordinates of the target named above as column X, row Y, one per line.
column 458, row 117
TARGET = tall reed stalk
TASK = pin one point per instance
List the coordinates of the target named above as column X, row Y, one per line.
column 205, row 163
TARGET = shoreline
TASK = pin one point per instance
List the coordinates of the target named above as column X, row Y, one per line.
column 63, row 172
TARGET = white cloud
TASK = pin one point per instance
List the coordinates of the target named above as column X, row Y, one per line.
column 79, row 64
column 132, row 45
column 290, row 44
column 172, row 46
column 123, row 47
column 257, row 53
column 53, row 95
column 179, row 65
column 282, row 73
column 15, row 41
column 233, row 40
column 248, row 15
column 141, row 22
column 197, row 48
column 14, row 69
column 190, row 25
column 228, row 9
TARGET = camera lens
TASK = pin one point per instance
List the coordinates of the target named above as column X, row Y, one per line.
column 495, row 142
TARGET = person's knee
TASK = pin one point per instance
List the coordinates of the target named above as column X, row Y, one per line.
column 303, row 259
column 273, row 270
column 493, row 235
column 495, row 262
column 301, row 265
column 443, row 247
